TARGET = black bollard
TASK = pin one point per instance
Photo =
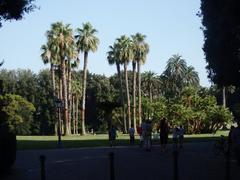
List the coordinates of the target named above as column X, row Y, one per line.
column 43, row 170
column 175, row 165
column 111, row 159
column 227, row 165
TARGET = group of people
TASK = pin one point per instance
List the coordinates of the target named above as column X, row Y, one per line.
column 145, row 133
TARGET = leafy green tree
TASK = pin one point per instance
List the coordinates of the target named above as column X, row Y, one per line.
column 217, row 117
column 18, row 113
column 220, row 20
column 15, row 9
column 44, row 118
column 86, row 41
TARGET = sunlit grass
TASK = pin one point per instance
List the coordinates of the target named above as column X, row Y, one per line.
column 90, row 140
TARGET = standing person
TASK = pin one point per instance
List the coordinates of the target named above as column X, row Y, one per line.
column 164, row 129
column 175, row 138
column 139, row 131
column 181, row 136
column 148, row 135
column 143, row 129
column 236, row 141
column 131, row 134
column 112, row 135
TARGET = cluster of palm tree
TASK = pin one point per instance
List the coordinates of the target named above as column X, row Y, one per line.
column 62, row 51
column 122, row 52
column 178, row 75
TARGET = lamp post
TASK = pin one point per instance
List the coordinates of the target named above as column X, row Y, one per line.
column 59, row 105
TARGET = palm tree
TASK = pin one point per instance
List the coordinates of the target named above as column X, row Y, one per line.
column 86, row 41
column 134, row 93
column 191, row 77
column 62, row 37
column 48, row 56
column 113, row 58
column 174, row 74
column 125, row 48
column 140, row 51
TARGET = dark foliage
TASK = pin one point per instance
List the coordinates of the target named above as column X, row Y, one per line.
column 15, row 9
column 221, row 28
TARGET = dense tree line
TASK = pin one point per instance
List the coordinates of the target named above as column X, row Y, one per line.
column 198, row 109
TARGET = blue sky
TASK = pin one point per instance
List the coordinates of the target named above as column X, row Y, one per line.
column 171, row 27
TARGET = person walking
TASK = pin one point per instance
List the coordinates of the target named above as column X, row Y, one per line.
column 139, row 131
column 148, row 135
column 112, row 135
column 164, row 129
column 131, row 134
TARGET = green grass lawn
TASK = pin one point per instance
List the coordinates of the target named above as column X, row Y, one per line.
column 50, row 142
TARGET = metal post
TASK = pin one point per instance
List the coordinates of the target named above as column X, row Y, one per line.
column 111, row 159
column 43, row 170
column 175, row 165
column 227, row 165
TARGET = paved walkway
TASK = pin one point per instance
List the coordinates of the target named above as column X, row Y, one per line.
column 196, row 162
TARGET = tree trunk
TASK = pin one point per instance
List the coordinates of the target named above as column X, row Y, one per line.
column 122, row 98
column 224, row 96
column 77, row 115
column 128, row 97
column 84, row 91
column 65, row 97
column 139, row 93
column 134, row 95
column 54, row 95
column 59, row 111
column 69, row 89
column 73, row 112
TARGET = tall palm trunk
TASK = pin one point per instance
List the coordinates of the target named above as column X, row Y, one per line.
column 134, row 94
column 76, row 118
column 54, row 94
column 150, row 113
column 84, row 91
column 224, row 96
column 59, row 111
column 65, row 97
column 139, row 93
column 73, row 114
column 69, row 89
column 127, row 93
column 122, row 97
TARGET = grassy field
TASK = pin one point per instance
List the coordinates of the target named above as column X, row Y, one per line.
column 77, row 141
